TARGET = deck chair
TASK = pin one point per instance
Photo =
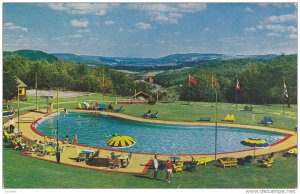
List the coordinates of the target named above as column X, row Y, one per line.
column 102, row 107
column 120, row 109
column 80, row 106
column 178, row 168
column 191, row 167
column 8, row 136
column 292, row 152
column 267, row 163
column 266, row 121
column 229, row 118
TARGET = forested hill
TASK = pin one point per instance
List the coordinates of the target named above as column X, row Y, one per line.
column 261, row 80
column 31, row 55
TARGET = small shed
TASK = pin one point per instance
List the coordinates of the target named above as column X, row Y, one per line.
column 141, row 96
column 22, row 89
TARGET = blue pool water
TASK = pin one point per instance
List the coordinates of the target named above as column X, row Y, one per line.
column 151, row 138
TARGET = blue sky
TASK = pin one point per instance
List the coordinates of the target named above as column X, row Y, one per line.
column 150, row 29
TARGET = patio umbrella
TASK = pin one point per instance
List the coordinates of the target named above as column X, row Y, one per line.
column 121, row 142
column 255, row 142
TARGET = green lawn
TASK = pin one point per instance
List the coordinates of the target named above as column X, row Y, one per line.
column 24, row 172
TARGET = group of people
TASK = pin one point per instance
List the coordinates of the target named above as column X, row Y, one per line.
column 169, row 171
column 149, row 114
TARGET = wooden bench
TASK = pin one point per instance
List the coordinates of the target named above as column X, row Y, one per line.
column 205, row 119
column 228, row 162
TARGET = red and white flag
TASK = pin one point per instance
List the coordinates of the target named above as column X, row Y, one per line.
column 238, row 86
column 192, row 80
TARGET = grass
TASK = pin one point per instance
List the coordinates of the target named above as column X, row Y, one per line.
column 23, row 172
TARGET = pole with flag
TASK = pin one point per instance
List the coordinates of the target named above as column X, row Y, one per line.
column 213, row 85
column 150, row 81
column 191, row 80
column 237, row 89
column 36, row 106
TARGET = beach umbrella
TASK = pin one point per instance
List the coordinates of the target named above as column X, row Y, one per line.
column 255, row 143
column 121, row 142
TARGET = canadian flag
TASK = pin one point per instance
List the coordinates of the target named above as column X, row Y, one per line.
column 150, row 80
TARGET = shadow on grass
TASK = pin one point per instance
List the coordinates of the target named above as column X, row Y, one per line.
column 149, row 178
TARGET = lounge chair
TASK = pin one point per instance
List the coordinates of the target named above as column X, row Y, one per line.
column 202, row 160
column 229, row 118
column 178, row 168
column 81, row 157
column 192, row 166
column 102, row 107
column 267, row 163
column 266, row 121
column 120, row 109
column 8, row 136
column 80, row 106
column 228, row 162
column 292, row 152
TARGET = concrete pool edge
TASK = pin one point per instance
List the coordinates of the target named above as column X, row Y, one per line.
column 143, row 160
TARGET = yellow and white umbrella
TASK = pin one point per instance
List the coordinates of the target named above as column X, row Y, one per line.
column 121, row 142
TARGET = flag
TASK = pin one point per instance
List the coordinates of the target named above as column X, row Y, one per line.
column 213, row 82
column 238, row 86
column 285, row 92
column 150, row 80
column 192, row 80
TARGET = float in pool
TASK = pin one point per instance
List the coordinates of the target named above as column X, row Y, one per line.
column 96, row 130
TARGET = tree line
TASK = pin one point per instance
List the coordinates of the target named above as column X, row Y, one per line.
column 261, row 81
column 66, row 76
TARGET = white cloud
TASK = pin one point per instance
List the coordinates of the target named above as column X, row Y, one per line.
column 83, row 30
column 81, row 23
column 249, row 10
column 281, row 28
column 164, row 13
column 292, row 36
column 206, row 29
column 84, row 8
column 120, row 29
column 143, row 26
column 282, row 18
column 109, row 22
column 276, row 28
column 12, row 26
column 273, row 34
column 250, row 29
column 75, row 36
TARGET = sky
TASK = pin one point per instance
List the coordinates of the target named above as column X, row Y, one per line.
column 151, row 29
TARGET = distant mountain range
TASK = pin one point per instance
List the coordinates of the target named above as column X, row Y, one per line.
column 174, row 61
column 189, row 59
column 32, row 55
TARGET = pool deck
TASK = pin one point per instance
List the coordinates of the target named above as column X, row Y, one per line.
column 140, row 162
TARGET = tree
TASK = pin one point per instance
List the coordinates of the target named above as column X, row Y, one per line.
column 9, row 86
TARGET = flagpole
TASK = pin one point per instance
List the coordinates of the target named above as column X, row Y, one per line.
column 36, row 106
column 57, row 143
column 216, row 125
column 18, row 108
column 103, row 87
column 189, row 89
column 283, row 94
column 212, row 92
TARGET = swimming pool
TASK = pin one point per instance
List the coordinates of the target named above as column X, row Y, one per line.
column 91, row 130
